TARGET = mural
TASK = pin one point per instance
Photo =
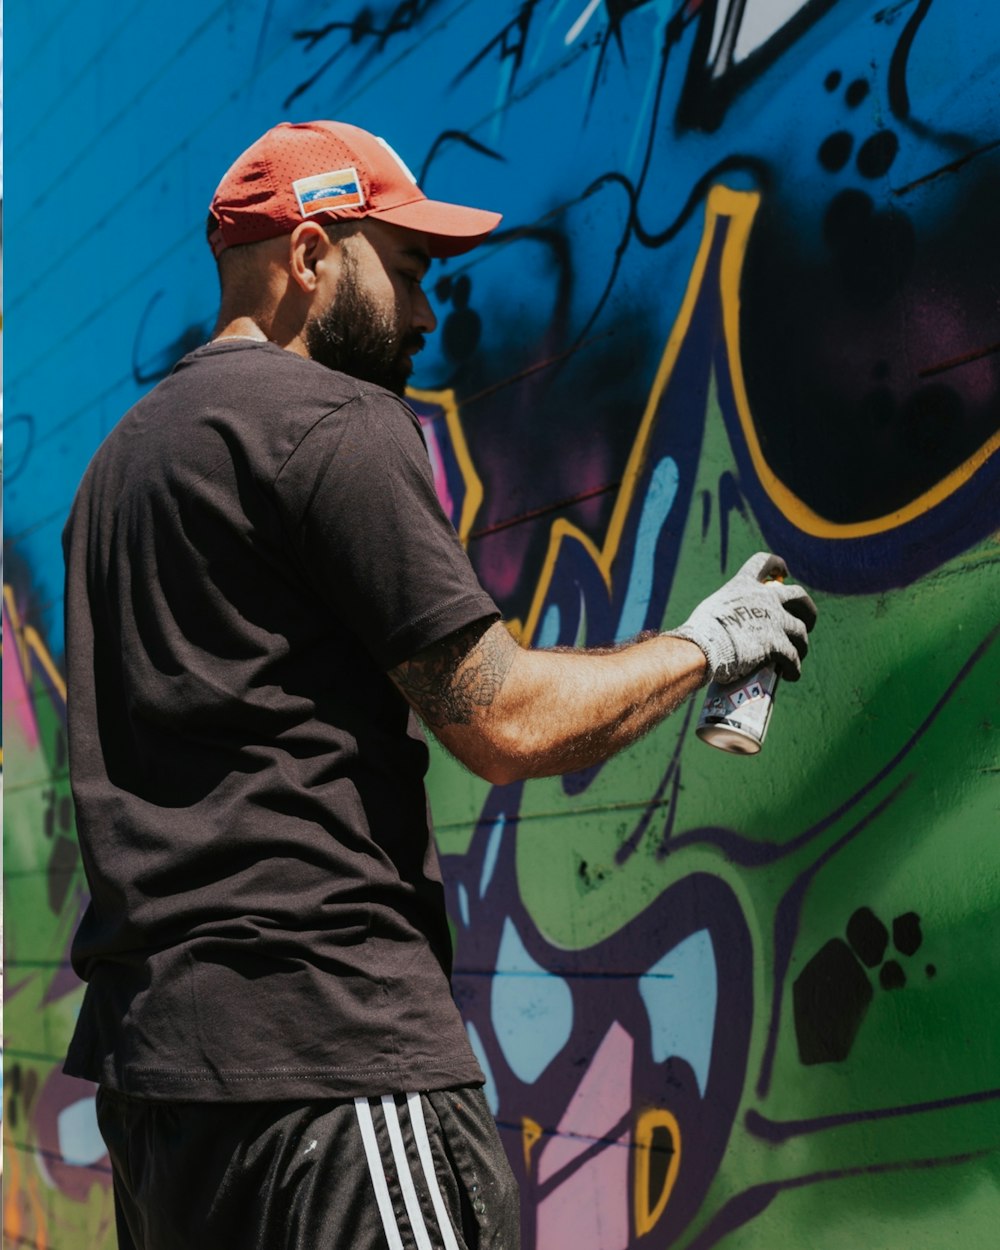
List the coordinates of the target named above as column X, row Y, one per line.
column 744, row 296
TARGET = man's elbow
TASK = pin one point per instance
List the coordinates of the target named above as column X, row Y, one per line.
column 500, row 771
column 499, row 758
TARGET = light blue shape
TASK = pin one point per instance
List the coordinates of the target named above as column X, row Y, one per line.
column 581, row 629
column 490, row 1088
column 532, row 1010
column 681, row 994
column 80, row 1141
column 655, row 510
column 548, row 635
column 463, row 904
column 492, row 851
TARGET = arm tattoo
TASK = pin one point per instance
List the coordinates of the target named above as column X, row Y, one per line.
column 448, row 681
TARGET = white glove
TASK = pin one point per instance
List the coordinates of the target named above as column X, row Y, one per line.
column 751, row 621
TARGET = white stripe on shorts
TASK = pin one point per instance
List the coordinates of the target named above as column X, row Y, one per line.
column 377, row 1173
column 403, row 1172
column 430, row 1176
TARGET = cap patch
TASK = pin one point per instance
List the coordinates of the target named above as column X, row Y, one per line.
column 326, row 193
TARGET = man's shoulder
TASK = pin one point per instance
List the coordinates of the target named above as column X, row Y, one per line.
column 253, row 393
column 267, row 379
column 255, row 402
column 255, row 369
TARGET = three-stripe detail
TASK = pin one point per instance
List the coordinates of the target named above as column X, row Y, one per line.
column 401, row 1166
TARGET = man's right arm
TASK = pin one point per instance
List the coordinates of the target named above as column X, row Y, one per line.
column 509, row 713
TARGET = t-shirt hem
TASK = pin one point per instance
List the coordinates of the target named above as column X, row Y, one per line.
column 276, row 1084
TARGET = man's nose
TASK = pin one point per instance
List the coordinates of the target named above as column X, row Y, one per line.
column 424, row 319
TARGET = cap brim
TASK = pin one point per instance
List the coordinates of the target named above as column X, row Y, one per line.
column 451, row 229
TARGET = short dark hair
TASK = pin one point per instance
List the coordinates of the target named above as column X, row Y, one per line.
column 336, row 231
column 237, row 263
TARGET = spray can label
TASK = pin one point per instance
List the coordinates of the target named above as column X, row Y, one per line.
column 735, row 717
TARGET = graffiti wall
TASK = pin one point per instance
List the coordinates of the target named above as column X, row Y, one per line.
column 745, row 295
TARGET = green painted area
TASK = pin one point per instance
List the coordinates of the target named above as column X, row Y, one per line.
column 887, row 751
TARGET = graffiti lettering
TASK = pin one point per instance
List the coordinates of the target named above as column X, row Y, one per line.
column 509, row 44
column 406, row 15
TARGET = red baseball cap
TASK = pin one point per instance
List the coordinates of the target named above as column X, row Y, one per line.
column 331, row 171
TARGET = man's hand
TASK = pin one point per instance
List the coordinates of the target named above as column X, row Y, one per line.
column 752, row 621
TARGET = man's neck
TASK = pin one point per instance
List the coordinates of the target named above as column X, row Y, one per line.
column 247, row 327
column 238, row 328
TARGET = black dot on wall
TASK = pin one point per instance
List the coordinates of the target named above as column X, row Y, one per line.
column 832, row 80
column 460, row 291
column 931, row 971
column 891, row 976
column 856, row 92
column 877, row 153
column 835, row 151
column 906, row 933
column 868, row 936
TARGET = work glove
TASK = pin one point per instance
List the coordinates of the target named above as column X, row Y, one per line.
column 752, row 621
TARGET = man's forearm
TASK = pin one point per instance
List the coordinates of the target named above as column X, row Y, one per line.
column 565, row 710
column 510, row 714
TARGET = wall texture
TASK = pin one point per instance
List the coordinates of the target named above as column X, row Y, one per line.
column 745, row 294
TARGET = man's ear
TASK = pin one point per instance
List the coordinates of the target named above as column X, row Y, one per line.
column 309, row 246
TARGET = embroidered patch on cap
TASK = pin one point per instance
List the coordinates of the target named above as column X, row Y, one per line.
column 326, row 193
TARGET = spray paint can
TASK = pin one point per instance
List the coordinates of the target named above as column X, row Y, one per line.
column 735, row 717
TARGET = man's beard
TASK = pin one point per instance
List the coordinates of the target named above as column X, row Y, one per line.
column 353, row 336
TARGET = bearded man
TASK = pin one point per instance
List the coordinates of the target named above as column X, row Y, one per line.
column 263, row 593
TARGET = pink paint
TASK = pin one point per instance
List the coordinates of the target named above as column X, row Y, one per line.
column 602, row 1098
column 501, row 559
column 17, row 699
column 941, row 328
column 589, row 1211
column 438, row 469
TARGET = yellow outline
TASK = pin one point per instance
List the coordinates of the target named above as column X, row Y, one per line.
column 531, row 1133
column 655, row 1117
column 798, row 512
column 717, row 205
column 445, row 399
column 28, row 642
column 739, row 209
column 21, row 1199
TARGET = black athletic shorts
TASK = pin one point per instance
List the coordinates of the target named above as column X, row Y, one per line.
column 424, row 1171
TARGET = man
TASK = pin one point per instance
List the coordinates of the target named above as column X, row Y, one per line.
column 261, row 590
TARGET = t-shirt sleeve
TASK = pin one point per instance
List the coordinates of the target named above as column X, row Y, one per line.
column 357, row 496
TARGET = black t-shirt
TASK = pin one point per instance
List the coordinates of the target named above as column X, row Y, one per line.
column 250, row 550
